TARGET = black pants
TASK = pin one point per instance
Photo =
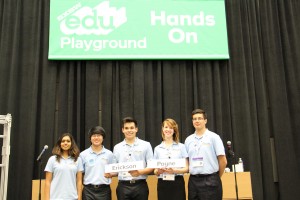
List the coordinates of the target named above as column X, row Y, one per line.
column 171, row 189
column 99, row 193
column 132, row 191
column 205, row 187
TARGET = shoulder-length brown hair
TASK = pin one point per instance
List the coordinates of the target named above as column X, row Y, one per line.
column 172, row 123
column 73, row 151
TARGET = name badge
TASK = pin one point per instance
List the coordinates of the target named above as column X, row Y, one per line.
column 168, row 177
column 198, row 162
column 125, row 174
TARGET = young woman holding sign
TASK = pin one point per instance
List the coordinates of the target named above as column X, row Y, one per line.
column 170, row 180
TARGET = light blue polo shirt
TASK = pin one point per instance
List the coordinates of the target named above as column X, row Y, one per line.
column 176, row 151
column 63, row 184
column 140, row 150
column 205, row 148
column 94, row 166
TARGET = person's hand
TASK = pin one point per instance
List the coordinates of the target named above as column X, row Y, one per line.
column 107, row 175
column 159, row 171
column 134, row 173
column 169, row 171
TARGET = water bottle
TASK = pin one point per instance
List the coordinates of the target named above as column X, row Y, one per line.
column 241, row 164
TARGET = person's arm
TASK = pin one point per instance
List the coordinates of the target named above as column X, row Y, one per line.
column 136, row 173
column 222, row 164
column 82, row 182
column 110, row 175
column 145, row 171
column 79, row 185
column 159, row 171
column 179, row 170
column 47, row 185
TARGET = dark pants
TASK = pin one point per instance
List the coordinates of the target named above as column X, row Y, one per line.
column 207, row 187
column 132, row 191
column 171, row 189
column 102, row 192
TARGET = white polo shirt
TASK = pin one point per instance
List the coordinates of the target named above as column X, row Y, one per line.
column 175, row 151
column 94, row 166
column 63, row 184
column 203, row 152
column 139, row 151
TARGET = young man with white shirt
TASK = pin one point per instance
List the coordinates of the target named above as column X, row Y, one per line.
column 207, row 160
column 132, row 184
column 96, row 181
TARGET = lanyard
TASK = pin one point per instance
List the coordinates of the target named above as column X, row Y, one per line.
column 198, row 145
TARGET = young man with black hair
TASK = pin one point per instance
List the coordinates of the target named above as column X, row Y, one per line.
column 132, row 184
column 96, row 182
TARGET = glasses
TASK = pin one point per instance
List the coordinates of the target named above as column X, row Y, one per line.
column 198, row 118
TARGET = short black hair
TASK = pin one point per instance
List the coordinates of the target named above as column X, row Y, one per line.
column 97, row 130
column 199, row 111
column 129, row 120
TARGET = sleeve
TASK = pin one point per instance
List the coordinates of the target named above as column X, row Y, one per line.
column 149, row 152
column 219, row 147
column 83, row 161
column 112, row 159
column 184, row 153
column 49, row 166
column 116, row 154
column 156, row 156
column 186, row 143
column 80, row 166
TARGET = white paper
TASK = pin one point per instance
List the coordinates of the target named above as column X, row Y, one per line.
column 124, row 167
column 166, row 163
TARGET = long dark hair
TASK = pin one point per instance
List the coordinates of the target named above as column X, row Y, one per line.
column 73, row 151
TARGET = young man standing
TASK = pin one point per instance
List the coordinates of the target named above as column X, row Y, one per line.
column 207, row 160
column 96, row 182
column 132, row 184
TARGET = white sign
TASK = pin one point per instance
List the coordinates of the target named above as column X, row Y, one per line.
column 124, row 167
column 166, row 163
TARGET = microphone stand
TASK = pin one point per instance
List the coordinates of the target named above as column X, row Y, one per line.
column 39, row 159
column 231, row 154
column 40, row 177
